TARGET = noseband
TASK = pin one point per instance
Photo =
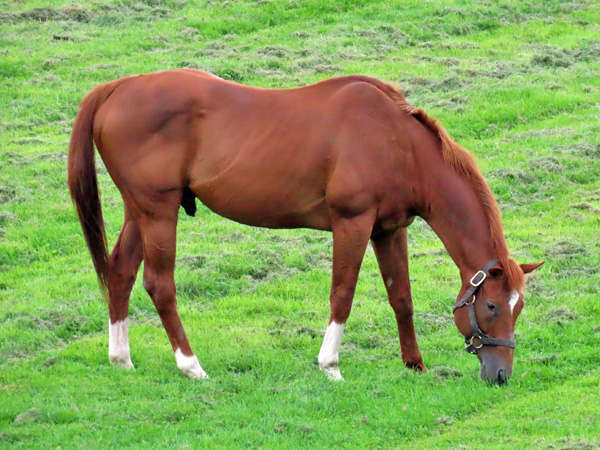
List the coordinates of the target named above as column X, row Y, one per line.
column 476, row 333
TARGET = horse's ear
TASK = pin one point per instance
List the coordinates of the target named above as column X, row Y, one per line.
column 528, row 268
column 496, row 271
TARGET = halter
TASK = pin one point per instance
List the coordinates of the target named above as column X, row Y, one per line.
column 476, row 332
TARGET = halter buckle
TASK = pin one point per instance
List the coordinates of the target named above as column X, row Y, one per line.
column 469, row 344
column 478, row 278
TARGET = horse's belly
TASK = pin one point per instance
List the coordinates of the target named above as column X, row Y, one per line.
column 267, row 203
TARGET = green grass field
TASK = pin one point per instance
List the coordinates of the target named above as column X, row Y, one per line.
column 516, row 82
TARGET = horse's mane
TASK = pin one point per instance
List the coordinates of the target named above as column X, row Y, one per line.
column 461, row 160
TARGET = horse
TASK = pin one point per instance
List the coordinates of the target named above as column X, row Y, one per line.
column 348, row 155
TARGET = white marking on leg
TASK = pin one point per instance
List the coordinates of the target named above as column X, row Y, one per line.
column 389, row 282
column 328, row 356
column 189, row 365
column 118, row 344
column 514, row 298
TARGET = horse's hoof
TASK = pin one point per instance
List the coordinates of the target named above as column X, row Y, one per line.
column 190, row 366
column 124, row 362
column 333, row 373
column 417, row 367
column 198, row 375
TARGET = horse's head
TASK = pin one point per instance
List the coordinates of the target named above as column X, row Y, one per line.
column 485, row 313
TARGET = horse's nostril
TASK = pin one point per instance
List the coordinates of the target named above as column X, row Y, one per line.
column 501, row 376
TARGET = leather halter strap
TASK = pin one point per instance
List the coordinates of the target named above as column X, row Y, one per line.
column 476, row 333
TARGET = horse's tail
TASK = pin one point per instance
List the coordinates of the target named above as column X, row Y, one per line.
column 83, row 182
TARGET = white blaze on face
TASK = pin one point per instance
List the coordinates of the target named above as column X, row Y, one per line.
column 514, row 298
column 328, row 356
column 118, row 344
column 189, row 365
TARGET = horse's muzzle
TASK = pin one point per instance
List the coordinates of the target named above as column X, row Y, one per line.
column 495, row 373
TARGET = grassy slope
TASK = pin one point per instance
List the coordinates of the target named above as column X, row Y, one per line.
column 516, row 82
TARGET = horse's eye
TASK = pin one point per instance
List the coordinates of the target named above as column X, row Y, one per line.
column 491, row 307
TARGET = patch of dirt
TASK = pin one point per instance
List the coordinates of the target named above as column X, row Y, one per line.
column 444, row 420
column 346, row 347
column 12, row 157
column 511, row 174
column 438, row 252
column 445, row 372
column 300, row 34
column 7, row 194
column 585, row 206
column 71, row 12
column 327, row 68
column 500, row 71
column 68, row 37
column 189, row 32
column 541, row 359
column 104, row 66
column 465, row 45
column 561, row 315
column 575, row 216
column 50, row 361
column 284, row 426
column 590, row 51
column 54, row 156
column 583, row 149
column 192, row 261
column 274, row 50
column 576, row 444
column 423, row 84
column 591, row 195
column 566, row 249
column 308, row 330
column 553, row 86
column 456, row 103
column 7, row 216
column 450, row 83
column 566, row 131
column 29, row 416
column 433, row 321
column 30, row 141
column 551, row 56
column 547, row 164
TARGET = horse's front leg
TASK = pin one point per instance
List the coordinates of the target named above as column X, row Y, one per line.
column 350, row 238
column 391, row 251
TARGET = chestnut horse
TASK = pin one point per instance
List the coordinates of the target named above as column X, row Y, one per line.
column 348, row 155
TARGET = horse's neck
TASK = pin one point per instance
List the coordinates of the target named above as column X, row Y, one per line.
column 456, row 215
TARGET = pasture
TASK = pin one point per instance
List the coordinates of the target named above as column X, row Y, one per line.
column 516, row 82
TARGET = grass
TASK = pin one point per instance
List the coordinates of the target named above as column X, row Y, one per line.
column 516, row 82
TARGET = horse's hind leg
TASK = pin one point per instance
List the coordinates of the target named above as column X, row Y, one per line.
column 158, row 227
column 125, row 261
column 350, row 238
column 391, row 252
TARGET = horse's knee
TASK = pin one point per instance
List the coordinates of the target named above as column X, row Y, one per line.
column 122, row 277
column 402, row 306
column 162, row 292
column 149, row 283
